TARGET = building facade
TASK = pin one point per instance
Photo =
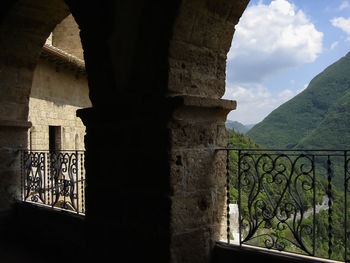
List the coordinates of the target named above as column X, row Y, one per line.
column 59, row 89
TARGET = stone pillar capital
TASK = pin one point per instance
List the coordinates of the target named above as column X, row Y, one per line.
column 201, row 108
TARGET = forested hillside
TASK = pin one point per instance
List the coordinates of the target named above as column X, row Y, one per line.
column 319, row 117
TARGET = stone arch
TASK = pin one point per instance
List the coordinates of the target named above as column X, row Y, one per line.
column 24, row 27
column 201, row 39
column 156, row 70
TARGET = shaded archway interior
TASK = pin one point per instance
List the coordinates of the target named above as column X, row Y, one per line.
column 26, row 27
column 156, row 75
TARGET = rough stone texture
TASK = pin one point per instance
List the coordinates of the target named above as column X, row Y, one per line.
column 60, row 85
column 197, row 61
column 56, row 95
column 24, row 26
column 198, row 161
column 198, row 175
column 196, row 71
column 66, row 37
column 11, row 138
column 198, row 56
column 43, row 113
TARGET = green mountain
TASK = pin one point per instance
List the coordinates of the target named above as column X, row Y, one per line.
column 319, row 117
column 238, row 127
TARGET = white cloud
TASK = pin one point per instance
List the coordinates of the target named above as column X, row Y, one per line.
column 344, row 4
column 254, row 103
column 269, row 39
column 342, row 23
column 334, row 45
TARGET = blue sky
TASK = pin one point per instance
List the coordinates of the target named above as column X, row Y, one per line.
column 278, row 47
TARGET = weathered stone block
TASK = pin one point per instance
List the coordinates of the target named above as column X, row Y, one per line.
column 197, row 252
column 18, row 138
column 177, row 172
column 13, row 111
column 190, row 135
column 221, row 136
column 191, row 211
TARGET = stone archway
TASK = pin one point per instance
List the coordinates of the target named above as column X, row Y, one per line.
column 202, row 37
column 24, row 29
column 156, row 75
column 197, row 60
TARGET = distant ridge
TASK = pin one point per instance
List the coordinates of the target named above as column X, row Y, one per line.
column 238, row 127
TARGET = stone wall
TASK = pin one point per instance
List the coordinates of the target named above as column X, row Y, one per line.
column 66, row 37
column 56, row 94
column 43, row 113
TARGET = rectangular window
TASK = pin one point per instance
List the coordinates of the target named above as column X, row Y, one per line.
column 55, row 138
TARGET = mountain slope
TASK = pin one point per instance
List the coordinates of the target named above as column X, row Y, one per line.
column 334, row 130
column 305, row 119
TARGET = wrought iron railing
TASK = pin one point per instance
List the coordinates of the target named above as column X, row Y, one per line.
column 290, row 200
column 55, row 179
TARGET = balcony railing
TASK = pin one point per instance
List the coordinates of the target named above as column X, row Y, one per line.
column 54, row 179
column 290, row 200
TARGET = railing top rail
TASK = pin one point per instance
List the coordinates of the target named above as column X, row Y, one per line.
column 282, row 150
column 28, row 150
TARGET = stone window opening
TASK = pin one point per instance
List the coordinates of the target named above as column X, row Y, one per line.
column 55, row 138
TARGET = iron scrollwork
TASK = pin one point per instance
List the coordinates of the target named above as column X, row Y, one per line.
column 64, row 178
column 34, row 176
column 56, row 179
column 273, row 208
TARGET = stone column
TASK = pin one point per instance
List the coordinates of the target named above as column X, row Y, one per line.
column 198, row 176
column 13, row 138
column 127, row 195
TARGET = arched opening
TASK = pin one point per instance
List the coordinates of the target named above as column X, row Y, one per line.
column 29, row 82
column 156, row 76
column 20, row 51
column 59, row 89
column 289, row 72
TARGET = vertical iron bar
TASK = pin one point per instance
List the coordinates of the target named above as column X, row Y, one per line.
column 22, row 175
column 329, row 194
column 228, row 196
column 83, row 178
column 345, row 206
column 64, row 183
column 239, row 198
column 45, row 179
column 314, row 216
column 48, row 176
column 77, row 178
column 52, row 173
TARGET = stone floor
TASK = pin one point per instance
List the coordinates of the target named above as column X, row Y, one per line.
column 36, row 235
column 11, row 254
